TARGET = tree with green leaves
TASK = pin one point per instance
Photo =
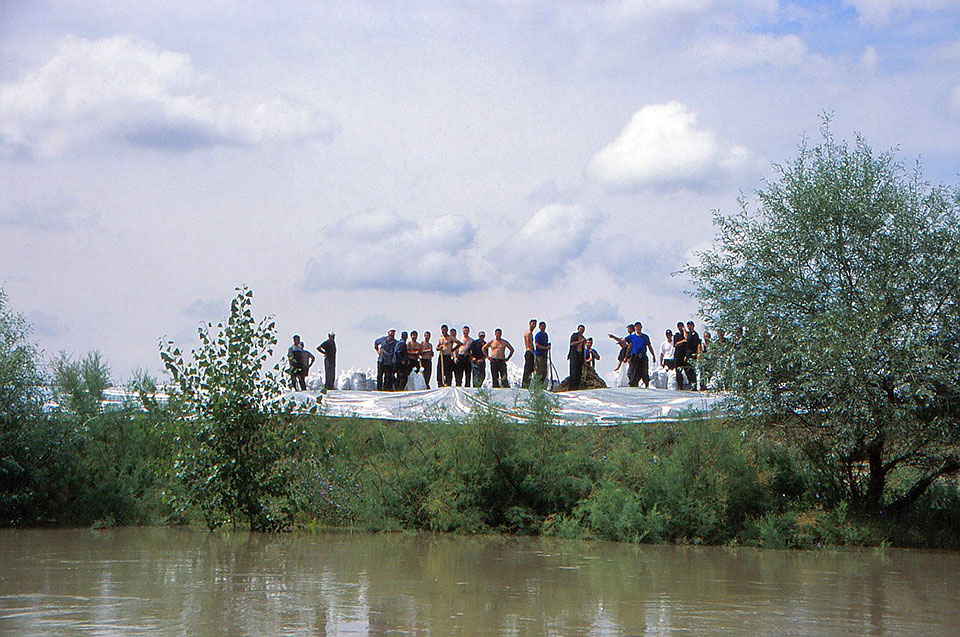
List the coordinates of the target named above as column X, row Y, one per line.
column 79, row 385
column 232, row 436
column 845, row 278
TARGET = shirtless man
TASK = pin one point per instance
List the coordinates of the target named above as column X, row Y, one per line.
column 495, row 351
column 528, row 354
column 449, row 371
column 426, row 358
column 445, row 364
column 462, row 366
column 413, row 352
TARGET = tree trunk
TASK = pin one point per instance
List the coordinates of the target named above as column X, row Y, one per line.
column 907, row 499
column 877, row 479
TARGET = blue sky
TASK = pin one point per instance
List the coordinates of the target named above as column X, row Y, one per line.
column 365, row 164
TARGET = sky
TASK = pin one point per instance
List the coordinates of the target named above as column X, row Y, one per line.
column 368, row 165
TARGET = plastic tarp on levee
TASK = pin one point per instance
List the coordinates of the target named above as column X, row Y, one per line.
column 610, row 406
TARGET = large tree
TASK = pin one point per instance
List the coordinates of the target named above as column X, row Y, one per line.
column 845, row 277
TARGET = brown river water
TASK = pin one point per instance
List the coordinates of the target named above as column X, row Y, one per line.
column 176, row 581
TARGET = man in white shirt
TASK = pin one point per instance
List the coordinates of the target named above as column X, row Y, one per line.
column 666, row 351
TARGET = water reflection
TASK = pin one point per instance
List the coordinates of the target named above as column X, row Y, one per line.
column 170, row 580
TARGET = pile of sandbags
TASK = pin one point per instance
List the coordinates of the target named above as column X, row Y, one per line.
column 358, row 379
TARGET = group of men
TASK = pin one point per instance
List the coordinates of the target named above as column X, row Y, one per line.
column 679, row 351
column 460, row 359
column 299, row 359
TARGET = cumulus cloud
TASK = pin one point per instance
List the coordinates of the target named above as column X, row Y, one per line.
column 207, row 309
column 382, row 250
column 599, row 311
column 125, row 89
column 621, row 10
column 662, row 146
column 539, row 252
column 755, row 49
column 881, row 12
column 47, row 217
column 46, row 325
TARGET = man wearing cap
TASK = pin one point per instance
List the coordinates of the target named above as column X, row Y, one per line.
column 478, row 359
column 329, row 350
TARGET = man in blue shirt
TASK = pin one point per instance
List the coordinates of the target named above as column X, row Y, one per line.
column 541, row 348
column 385, row 346
column 639, row 363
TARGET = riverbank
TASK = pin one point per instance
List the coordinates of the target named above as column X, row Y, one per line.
column 699, row 480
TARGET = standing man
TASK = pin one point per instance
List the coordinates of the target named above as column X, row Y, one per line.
column 445, row 363
column 413, row 351
column 639, row 363
column 426, row 358
column 495, row 350
column 402, row 362
column 478, row 359
column 694, row 349
column 329, row 350
column 575, row 356
column 454, row 370
column 528, row 354
column 541, row 343
column 385, row 346
column 624, row 355
column 300, row 361
column 463, row 357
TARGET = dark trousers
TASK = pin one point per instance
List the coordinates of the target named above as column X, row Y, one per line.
column 426, row 366
column 528, row 367
column 639, row 370
column 576, row 370
column 330, row 371
column 498, row 372
column 445, row 371
column 403, row 373
column 479, row 373
column 385, row 376
column 299, row 378
column 461, row 370
column 540, row 369
column 687, row 368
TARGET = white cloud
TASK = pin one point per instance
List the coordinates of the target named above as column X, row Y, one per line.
column 538, row 253
column 880, row 12
column 663, row 146
column 382, row 250
column 599, row 311
column 123, row 88
column 755, row 49
column 955, row 99
column 47, row 217
column 869, row 59
column 626, row 10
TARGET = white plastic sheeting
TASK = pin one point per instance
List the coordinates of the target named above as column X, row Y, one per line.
column 610, row 406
